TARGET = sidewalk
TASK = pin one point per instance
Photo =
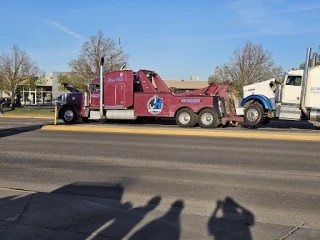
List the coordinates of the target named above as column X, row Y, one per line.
column 63, row 214
column 56, row 215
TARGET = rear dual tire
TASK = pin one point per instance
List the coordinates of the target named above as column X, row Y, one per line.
column 186, row 118
column 208, row 118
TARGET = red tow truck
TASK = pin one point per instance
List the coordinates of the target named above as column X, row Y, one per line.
column 128, row 95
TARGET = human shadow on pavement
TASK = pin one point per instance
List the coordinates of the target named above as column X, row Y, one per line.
column 234, row 221
column 18, row 130
column 116, row 219
column 166, row 227
column 130, row 218
column 85, row 210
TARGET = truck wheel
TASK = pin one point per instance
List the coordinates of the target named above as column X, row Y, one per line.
column 253, row 114
column 186, row 118
column 69, row 115
column 208, row 118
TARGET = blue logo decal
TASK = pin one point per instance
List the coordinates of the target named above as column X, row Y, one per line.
column 155, row 105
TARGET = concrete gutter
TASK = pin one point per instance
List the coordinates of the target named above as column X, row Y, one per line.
column 187, row 132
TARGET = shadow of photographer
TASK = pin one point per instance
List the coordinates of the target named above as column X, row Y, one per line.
column 233, row 222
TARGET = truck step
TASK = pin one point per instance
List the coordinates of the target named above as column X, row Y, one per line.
column 289, row 113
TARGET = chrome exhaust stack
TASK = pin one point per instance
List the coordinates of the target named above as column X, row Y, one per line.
column 101, row 87
column 304, row 84
column 123, row 66
column 314, row 59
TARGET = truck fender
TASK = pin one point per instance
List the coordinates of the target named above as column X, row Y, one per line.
column 175, row 113
column 267, row 104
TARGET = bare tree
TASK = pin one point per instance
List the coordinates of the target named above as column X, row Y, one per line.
column 87, row 66
column 248, row 65
column 16, row 68
column 220, row 75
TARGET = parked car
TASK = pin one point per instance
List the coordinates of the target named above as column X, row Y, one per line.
column 6, row 102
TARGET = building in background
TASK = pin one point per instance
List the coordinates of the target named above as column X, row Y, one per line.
column 40, row 94
column 55, row 84
column 186, row 85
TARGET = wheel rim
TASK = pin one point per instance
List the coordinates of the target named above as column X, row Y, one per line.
column 207, row 119
column 68, row 115
column 184, row 118
column 252, row 115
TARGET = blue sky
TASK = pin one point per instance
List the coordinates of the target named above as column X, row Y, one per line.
column 175, row 38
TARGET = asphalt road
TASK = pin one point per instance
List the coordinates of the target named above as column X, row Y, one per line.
column 276, row 182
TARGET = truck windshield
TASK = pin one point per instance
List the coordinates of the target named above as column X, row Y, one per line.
column 95, row 87
column 294, row 80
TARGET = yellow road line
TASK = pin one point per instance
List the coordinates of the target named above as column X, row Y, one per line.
column 16, row 190
column 204, row 133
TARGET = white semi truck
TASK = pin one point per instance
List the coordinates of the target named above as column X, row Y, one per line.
column 296, row 97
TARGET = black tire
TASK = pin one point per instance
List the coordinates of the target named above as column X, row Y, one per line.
column 209, row 118
column 69, row 115
column 253, row 114
column 196, row 118
column 186, row 118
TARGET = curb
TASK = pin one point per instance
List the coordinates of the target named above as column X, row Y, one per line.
column 204, row 133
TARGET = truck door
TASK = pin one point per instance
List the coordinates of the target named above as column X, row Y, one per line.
column 94, row 97
column 119, row 94
column 291, row 90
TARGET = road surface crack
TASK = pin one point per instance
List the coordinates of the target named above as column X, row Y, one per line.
column 25, row 208
column 292, row 231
